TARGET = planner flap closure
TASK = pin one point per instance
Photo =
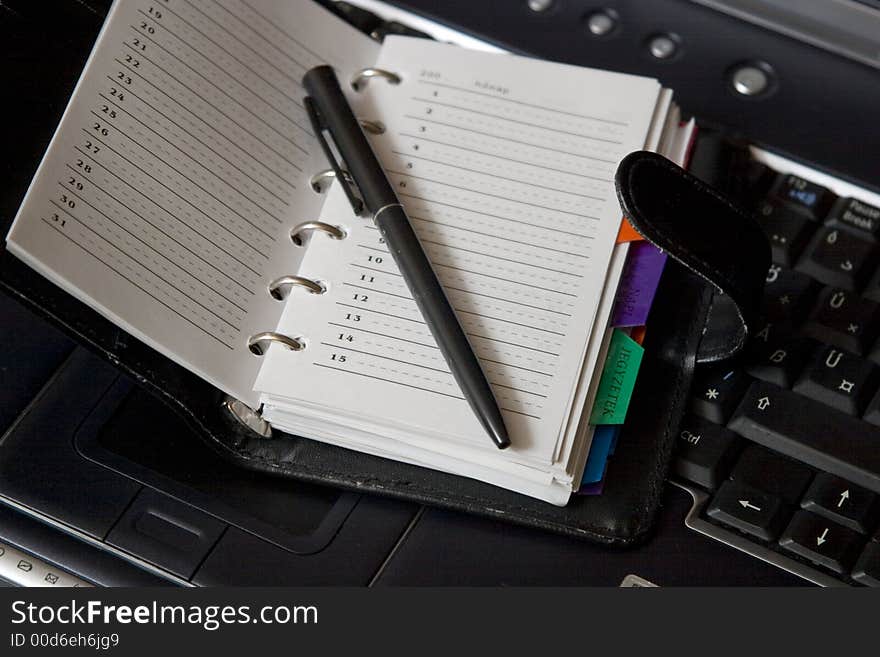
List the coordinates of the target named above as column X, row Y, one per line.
column 707, row 233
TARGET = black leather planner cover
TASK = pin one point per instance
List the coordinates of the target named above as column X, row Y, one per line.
column 704, row 275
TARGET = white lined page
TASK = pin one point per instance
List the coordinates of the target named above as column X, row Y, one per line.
column 506, row 171
column 180, row 165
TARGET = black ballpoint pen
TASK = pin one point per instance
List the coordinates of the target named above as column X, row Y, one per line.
column 328, row 109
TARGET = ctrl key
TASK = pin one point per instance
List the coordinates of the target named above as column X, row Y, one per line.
column 749, row 510
column 705, row 452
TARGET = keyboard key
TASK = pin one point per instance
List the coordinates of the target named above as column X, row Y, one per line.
column 875, row 353
column 750, row 511
column 872, row 414
column 821, row 541
column 770, row 333
column 844, row 320
column 843, row 503
column 772, row 473
column 716, row 393
column 872, row 290
column 788, row 232
column 788, row 297
column 840, row 380
column 852, row 213
column 780, row 362
column 705, row 452
column 810, row 432
column 840, row 258
column 808, row 198
column 867, row 568
column 757, row 179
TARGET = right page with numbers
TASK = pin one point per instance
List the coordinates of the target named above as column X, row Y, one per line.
column 505, row 166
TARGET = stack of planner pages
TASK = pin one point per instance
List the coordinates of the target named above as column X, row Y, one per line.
column 183, row 198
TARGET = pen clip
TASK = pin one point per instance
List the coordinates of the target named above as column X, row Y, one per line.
column 318, row 126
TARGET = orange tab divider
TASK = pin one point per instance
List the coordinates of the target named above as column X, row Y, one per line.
column 627, row 233
column 637, row 333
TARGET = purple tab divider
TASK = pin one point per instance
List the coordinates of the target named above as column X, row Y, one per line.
column 638, row 284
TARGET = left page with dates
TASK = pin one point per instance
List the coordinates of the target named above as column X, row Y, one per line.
column 166, row 197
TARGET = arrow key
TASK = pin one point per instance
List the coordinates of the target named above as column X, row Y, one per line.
column 822, row 542
column 867, row 570
column 772, row 473
column 841, row 502
column 749, row 510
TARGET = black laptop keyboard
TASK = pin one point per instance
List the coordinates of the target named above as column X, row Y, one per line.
column 784, row 443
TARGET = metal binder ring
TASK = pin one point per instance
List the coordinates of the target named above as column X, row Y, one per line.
column 259, row 343
column 373, row 127
column 308, row 226
column 280, row 287
column 247, row 417
column 323, row 178
column 365, row 75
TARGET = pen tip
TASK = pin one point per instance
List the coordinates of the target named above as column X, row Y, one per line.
column 493, row 424
column 499, row 435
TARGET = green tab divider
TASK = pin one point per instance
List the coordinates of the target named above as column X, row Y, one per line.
column 618, row 379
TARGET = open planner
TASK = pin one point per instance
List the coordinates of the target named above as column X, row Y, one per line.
column 182, row 197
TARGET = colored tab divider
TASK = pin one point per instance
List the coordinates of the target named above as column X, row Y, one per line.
column 638, row 333
column 603, row 438
column 602, row 447
column 635, row 295
column 618, row 380
column 591, row 489
column 638, row 285
column 627, row 233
